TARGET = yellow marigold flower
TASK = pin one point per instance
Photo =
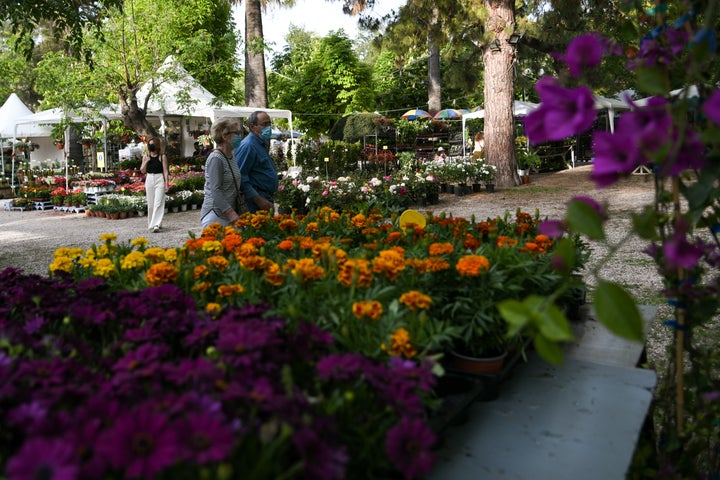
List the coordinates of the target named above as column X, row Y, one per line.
column 286, row 245
column 504, row 241
column 436, row 249
column 400, row 344
column 258, row 220
column 305, row 269
column 305, row 243
column 359, row 221
column 217, row 261
column 69, row 252
column 213, row 309
column 201, row 286
column 161, row 273
column 472, row 265
column 390, row 262
column 229, row 230
column 355, row 271
column 415, row 300
column 133, row 260
column 246, row 250
column 368, row 309
column 104, row 268
column 287, row 224
column 63, row 264
column 230, row 290
column 102, row 251
column 231, row 241
column 139, row 242
column 155, row 254
column 312, row 227
column 200, row 271
column 108, row 237
column 273, row 274
column 212, row 246
column 87, row 262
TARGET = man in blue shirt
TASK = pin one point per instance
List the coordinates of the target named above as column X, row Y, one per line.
column 257, row 170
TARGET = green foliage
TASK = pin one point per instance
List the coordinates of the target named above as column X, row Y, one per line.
column 357, row 126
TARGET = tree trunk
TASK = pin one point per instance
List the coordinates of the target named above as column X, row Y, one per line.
column 434, row 82
column 134, row 117
column 499, row 88
column 255, row 77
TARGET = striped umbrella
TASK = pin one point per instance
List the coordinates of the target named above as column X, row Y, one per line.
column 416, row 113
column 477, row 109
column 448, row 113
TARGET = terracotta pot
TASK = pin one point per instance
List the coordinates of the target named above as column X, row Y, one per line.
column 478, row 364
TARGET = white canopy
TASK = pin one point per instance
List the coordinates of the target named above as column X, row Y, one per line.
column 12, row 109
column 520, row 109
column 611, row 105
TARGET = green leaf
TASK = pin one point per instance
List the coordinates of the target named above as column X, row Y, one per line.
column 616, row 309
column 516, row 314
column 584, row 219
column 652, row 81
column 553, row 325
column 548, row 350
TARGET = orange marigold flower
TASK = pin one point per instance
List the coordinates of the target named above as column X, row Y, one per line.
column 219, row 262
column 160, row 274
column 505, row 241
column 436, row 264
column 252, row 262
column 359, row 221
column 312, row 227
column 471, row 243
column 472, row 265
column 258, row 220
column 230, row 290
column 522, row 228
column 256, row 241
column 305, row 243
column 417, row 264
column 367, row 309
column 246, row 250
column 286, row 245
column 355, row 271
column 400, row 344
column 532, row 248
column 305, row 269
column 542, row 239
column 436, row 249
column 273, row 274
column 370, row 231
column 486, row 228
column 389, row 262
column 231, row 242
column 288, row 224
column 200, row 271
column 212, row 230
column 201, row 286
column 415, row 300
column 523, row 217
column 213, row 309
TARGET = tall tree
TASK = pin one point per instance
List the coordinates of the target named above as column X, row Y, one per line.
column 255, row 76
column 498, row 57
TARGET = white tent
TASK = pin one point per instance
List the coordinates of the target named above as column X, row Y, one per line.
column 10, row 112
column 611, row 105
column 520, row 109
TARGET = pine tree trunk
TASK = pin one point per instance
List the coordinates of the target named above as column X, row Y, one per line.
column 499, row 88
column 434, row 81
column 255, row 76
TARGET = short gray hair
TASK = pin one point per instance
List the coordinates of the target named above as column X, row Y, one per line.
column 253, row 118
column 221, row 127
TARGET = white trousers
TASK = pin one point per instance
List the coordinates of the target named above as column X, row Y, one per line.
column 155, row 193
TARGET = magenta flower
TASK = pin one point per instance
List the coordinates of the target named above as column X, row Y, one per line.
column 140, row 442
column 616, row 155
column 582, row 53
column 206, row 438
column 44, row 458
column 409, row 446
column 320, row 459
column 592, row 203
column 552, row 228
column 679, row 253
column 563, row 112
column 711, row 107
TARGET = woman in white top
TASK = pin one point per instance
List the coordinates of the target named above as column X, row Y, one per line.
column 479, row 143
column 222, row 176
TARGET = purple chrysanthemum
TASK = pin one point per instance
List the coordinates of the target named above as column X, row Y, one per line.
column 320, row 458
column 44, row 458
column 340, row 366
column 563, row 112
column 206, row 438
column 409, row 447
column 141, row 442
column 711, row 107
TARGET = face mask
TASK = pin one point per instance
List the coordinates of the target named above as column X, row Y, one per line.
column 235, row 142
column 266, row 133
column 151, row 148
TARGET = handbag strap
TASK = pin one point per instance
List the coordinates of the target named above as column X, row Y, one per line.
column 237, row 191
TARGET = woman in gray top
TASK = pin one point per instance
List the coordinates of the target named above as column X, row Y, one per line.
column 222, row 176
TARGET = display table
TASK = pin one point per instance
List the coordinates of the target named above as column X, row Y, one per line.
column 581, row 419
